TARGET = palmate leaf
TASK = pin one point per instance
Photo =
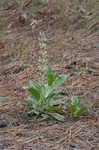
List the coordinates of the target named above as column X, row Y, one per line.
column 57, row 116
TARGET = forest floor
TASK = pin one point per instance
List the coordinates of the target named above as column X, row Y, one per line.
column 71, row 50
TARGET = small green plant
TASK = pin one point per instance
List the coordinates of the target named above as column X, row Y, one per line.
column 42, row 94
column 74, row 106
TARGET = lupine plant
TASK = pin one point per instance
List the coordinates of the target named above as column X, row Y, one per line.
column 42, row 94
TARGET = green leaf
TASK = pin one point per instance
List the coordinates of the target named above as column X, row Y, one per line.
column 73, row 108
column 30, row 111
column 34, row 90
column 43, row 91
column 76, row 101
column 57, row 102
column 58, row 116
column 52, row 95
column 29, row 104
column 55, row 84
column 34, row 86
column 45, row 116
column 50, row 77
column 36, row 109
column 31, row 100
column 54, row 108
column 49, row 70
column 83, row 109
column 58, row 81
column 35, row 94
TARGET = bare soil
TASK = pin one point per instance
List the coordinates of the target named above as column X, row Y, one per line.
column 70, row 50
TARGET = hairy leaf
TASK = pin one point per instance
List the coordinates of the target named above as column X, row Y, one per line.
column 57, row 102
column 58, row 81
column 54, row 108
column 35, row 94
column 83, row 109
column 57, row 116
